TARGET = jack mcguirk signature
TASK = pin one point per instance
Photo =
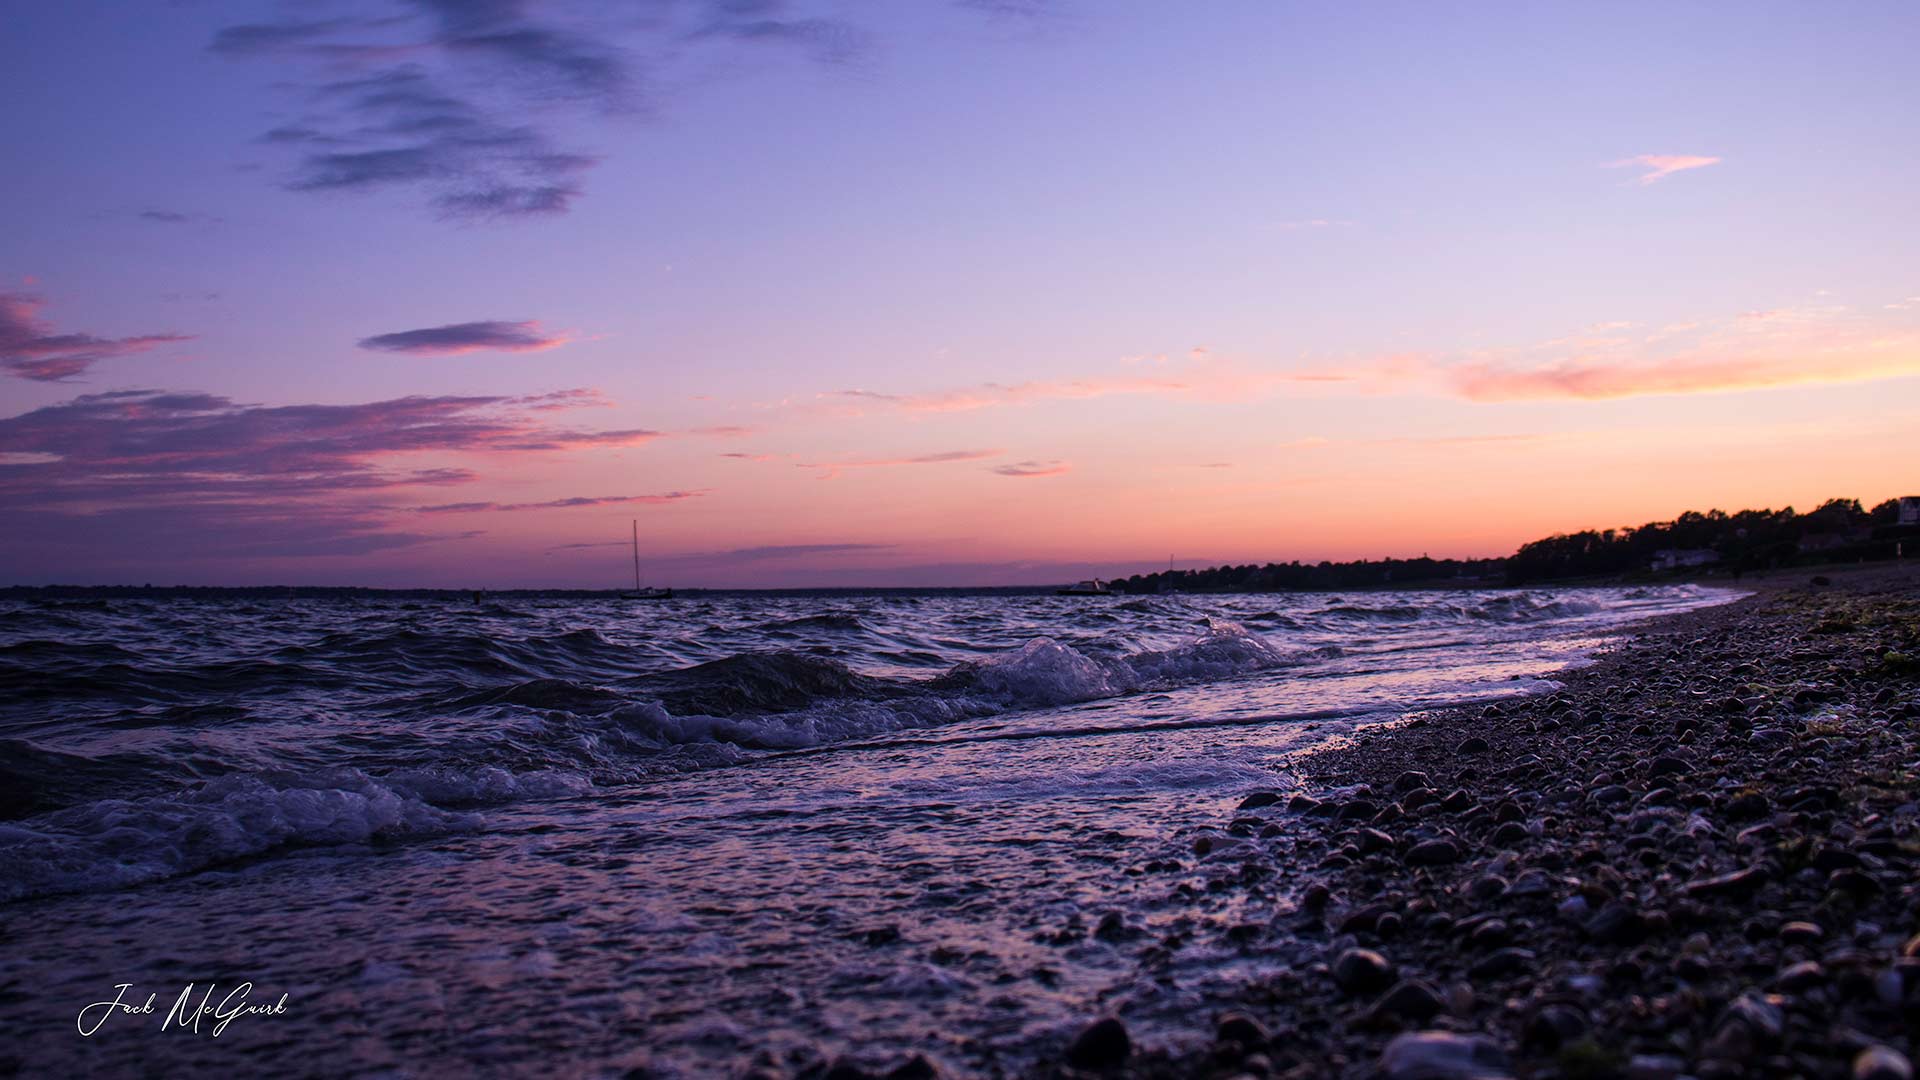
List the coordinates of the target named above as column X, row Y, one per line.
column 187, row 1012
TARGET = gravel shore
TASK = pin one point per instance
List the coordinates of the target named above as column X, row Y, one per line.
column 1697, row 859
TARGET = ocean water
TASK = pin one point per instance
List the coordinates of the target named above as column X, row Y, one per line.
column 580, row 837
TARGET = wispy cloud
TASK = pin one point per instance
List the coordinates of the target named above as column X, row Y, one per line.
column 1660, row 166
column 477, row 104
column 789, row 551
column 29, row 349
column 457, row 338
column 1599, row 381
column 1200, row 375
column 562, row 504
column 176, row 217
column 1033, row 468
column 831, row 469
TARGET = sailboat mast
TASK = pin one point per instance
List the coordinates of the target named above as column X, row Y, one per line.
column 636, row 553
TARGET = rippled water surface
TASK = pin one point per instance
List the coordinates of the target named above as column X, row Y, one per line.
column 580, row 836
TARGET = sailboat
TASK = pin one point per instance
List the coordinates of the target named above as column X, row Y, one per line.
column 642, row 592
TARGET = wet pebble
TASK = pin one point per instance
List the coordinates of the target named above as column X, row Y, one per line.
column 1443, row 1055
column 1437, row 852
column 1413, row 999
column 1361, row 971
column 1881, row 1063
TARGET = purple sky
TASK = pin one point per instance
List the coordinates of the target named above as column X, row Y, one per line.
column 446, row 292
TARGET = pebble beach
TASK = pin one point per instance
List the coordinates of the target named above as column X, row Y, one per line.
column 1695, row 859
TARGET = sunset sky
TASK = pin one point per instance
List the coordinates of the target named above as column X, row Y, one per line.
column 447, row 292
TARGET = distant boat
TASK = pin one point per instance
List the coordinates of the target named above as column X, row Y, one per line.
column 1089, row 587
column 642, row 592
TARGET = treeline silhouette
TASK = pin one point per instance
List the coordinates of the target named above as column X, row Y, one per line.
column 1748, row 541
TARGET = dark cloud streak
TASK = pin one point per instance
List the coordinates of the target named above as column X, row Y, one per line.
column 456, row 338
column 562, row 504
column 464, row 100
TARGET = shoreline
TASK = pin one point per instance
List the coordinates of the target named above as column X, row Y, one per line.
column 1699, row 857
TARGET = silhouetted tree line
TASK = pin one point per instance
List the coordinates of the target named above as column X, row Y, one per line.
column 1278, row 577
column 1840, row 530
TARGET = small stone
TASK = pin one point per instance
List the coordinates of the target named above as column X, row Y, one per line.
column 1555, row 1026
column 1412, row 999
column 1474, row 745
column 1533, row 882
column 1509, row 834
column 1365, row 920
column 1857, row 883
column 1668, row 765
column 1616, row 924
column 1259, row 799
column 1443, row 1055
column 1738, row 883
column 1356, row 810
column 1407, row 781
column 1490, row 934
column 1609, row 795
column 1371, row 840
column 1438, row 852
column 1102, row 1045
column 1760, row 1017
column 1881, row 1063
column 1502, row 962
column 1748, row 806
column 1801, row 933
column 1801, row 977
column 1362, row 971
column 1240, row 1028
column 1486, row 887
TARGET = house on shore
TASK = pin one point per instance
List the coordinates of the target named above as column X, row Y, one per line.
column 1832, row 541
column 1682, row 558
column 1910, row 509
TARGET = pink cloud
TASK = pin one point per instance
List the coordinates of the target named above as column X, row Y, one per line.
column 1661, row 166
column 1200, row 376
column 1596, row 381
column 833, row 468
column 30, row 350
column 1033, row 468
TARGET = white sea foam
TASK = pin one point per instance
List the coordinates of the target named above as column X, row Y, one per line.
column 113, row 843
